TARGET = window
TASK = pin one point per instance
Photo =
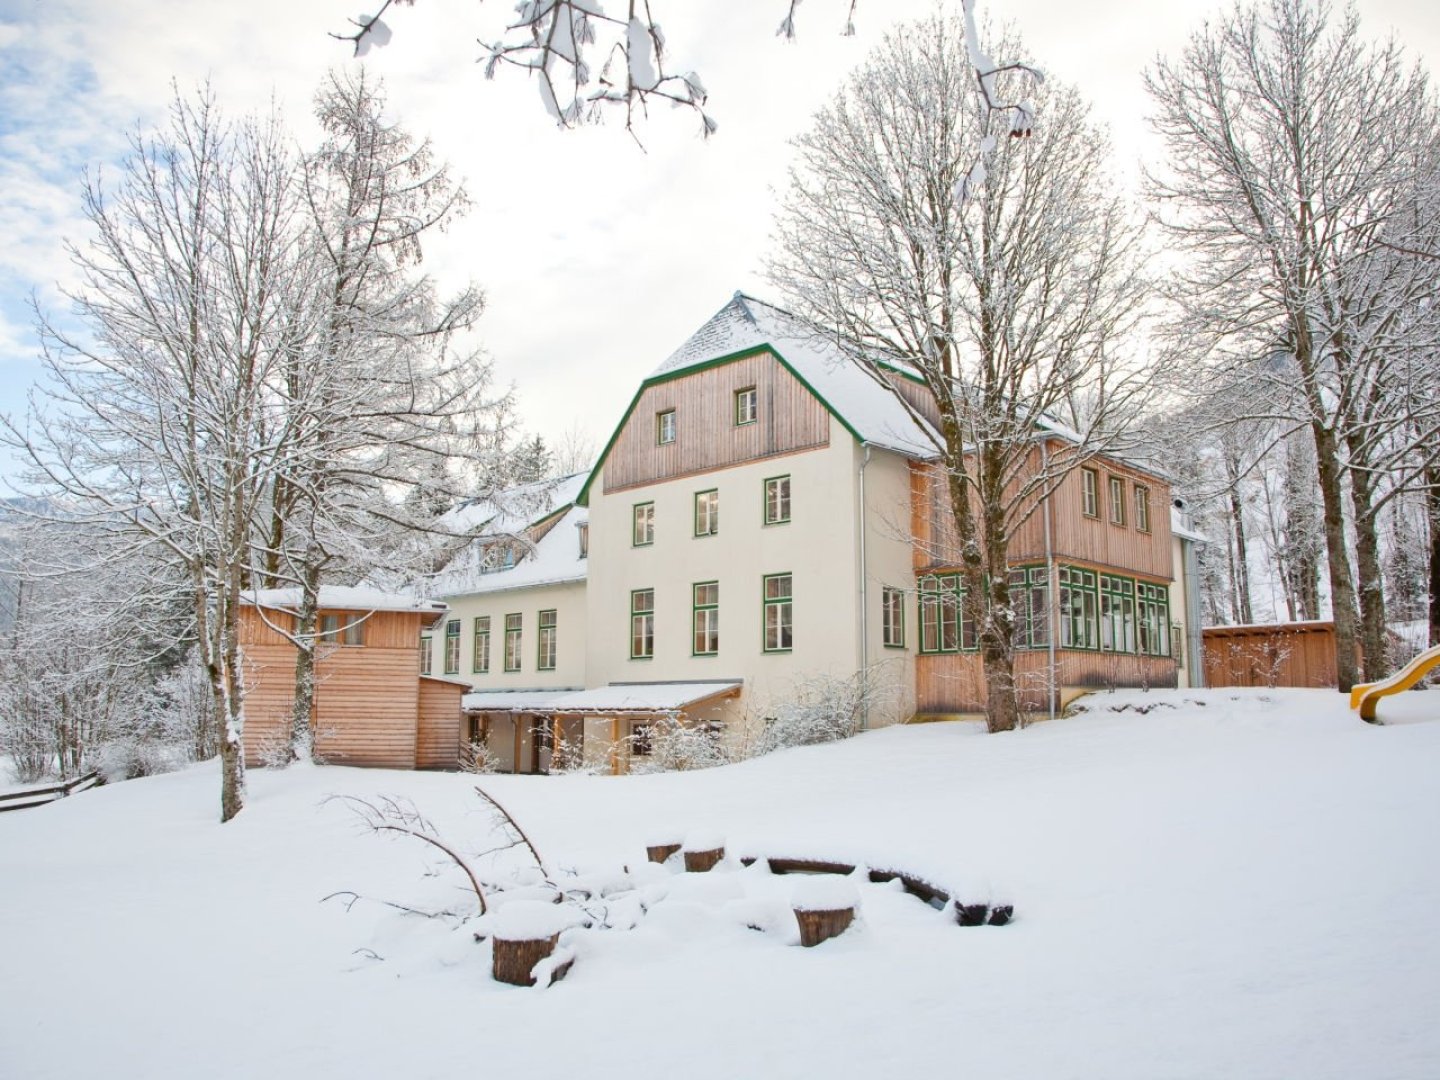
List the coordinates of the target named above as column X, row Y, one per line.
column 497, row 557
column 945, row 624
column 545, row 656
column 746, row 411
column 640, row 744
column 1142, row 508
column 1090, row 492
column 481, row 659
column 892, row 615
column 665, row 427
column 424, row 654
column 1079, row 609
column 707, row 513
column 642, row 532
column 777, row 500
column 642, row 624
column 1117, row 614
column 1117, row 501
column 1153, row 616
column 512, row 642
column 779, row 613
column 1030, row 600
column 706, row 619
column 452, row 647
column 583, row 529
column 342, row 628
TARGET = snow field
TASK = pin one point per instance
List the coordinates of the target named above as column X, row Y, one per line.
column 1234, row 883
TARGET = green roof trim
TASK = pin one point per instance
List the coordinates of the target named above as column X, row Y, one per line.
column 583, row 499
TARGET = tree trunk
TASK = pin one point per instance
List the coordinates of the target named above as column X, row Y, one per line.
column 302, row 709
column 1240, row 566
column 1432, row 505
column 1342, row 584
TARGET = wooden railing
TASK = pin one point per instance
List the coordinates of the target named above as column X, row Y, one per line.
column 39, row 796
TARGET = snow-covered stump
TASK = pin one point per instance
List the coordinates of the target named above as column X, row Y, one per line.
column 703, row 852
column 657, row 851
column 524, row 935
column 824, row 907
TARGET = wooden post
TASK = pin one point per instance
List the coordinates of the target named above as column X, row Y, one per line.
column 615, row 746
column 515, row 728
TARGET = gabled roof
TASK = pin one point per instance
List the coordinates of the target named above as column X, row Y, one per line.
column 745, row 326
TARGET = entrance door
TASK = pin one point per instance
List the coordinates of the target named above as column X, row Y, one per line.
column 542, row 744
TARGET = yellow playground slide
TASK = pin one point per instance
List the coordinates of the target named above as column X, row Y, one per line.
column 1366, row 696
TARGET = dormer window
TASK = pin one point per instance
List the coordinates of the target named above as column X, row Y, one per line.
column 496, row 557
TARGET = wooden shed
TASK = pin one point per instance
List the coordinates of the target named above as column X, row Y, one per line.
column 372, row 705
column 1278, row 654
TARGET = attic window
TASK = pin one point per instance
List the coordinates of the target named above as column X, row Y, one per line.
column 583, row 529
column 746, row 406
column 496, row 557
column 665, row 427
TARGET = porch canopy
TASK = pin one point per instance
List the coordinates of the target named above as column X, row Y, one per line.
column 617, row 699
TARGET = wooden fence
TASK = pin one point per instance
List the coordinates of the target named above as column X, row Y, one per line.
column 1280, row 654
column 39, row 796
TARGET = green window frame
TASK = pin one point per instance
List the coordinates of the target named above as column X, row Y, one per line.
column 452, row 647
column 778, row 597
column 480, row 656
column 642, row 624
column 1153, row 619
column 425, row 654
column 892, row 617
column 747, row 406
column 1090, row 493
column 665, row 427
column 1142, row 509
column 1117, row 500
column 946, row 625
column 777, row 500
column 1079, row 609
column 1117, row 614
column 514, row 623
column 707, row 512
column 1030, row 600
column 705, row 618
column 546, row 637
column 642, row 525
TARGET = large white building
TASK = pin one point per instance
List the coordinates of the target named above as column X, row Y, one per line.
column 763, row 515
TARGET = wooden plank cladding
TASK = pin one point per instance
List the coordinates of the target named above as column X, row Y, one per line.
column 955, row 683
column 367, row 695
column 1130, row 546
column 787, row 418
column 1283, row 654
column 437, row 743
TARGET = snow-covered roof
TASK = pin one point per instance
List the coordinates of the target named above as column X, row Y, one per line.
column 554, row 560
column 871, row 411
column 1180, row 528
column 615, row 698
column 345, row 598
column 512, row 511
column 511, row 700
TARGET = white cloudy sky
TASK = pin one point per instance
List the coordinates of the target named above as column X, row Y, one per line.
column 597, row 259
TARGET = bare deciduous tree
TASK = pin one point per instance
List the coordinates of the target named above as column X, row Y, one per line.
column 1293, row 150
column 1005, row 284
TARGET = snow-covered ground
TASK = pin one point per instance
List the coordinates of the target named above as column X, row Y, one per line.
column 1229, row 884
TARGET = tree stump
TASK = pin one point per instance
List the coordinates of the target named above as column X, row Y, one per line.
column 818, row 926
column 514, row 961
column 971, row 914
column 658, row 853
column 698, row 862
